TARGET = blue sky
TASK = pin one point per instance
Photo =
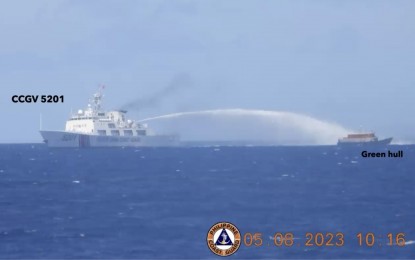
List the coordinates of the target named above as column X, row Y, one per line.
column 348, row 62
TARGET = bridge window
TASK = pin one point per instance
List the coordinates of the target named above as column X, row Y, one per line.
column 115, row 132
column 111, row 125
column 128, row 132
column 102, row 132
column 141, row 132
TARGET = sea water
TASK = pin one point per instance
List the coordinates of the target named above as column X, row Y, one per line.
column 161, row 202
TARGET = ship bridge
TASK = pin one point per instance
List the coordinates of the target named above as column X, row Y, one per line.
column 94, row 120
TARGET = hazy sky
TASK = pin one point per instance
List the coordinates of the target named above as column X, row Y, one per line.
column 348, row 62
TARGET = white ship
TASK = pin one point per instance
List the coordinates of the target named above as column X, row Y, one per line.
column 94, row 127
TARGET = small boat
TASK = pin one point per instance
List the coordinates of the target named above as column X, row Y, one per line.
column 363, row 139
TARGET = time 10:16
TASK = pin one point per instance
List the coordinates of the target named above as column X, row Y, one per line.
column 369, row 239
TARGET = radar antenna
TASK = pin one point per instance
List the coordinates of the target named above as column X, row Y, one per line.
column 97, row 99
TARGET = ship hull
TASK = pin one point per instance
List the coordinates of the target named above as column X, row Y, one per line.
column 70, row 139
column 368, row 143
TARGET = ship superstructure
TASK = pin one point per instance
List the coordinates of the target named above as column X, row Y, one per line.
column 94, row 127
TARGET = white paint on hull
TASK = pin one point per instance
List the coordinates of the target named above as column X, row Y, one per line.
column 70, row 139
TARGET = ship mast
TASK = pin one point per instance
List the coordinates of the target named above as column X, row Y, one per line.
column 95, row 102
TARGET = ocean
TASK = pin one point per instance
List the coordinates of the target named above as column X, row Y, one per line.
column 133, row 203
